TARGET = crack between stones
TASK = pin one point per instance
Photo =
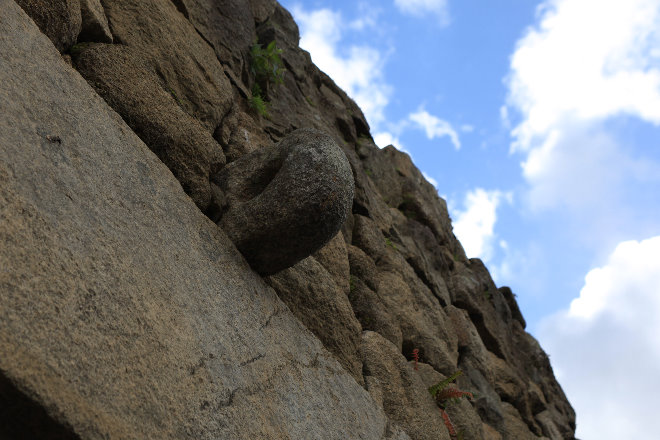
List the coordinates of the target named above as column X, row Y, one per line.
column 275, row 314
column 232, row 80
column 115, row 40
column 181, row 7
column 185, row 13
column 252, row 360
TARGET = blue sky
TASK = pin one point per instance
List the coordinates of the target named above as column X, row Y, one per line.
column 538, row 122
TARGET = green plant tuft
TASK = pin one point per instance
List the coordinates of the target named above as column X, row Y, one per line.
column 268, row 70
column 443, row 383
column 443, row 394
column 266, row 65
column 259, row 105
column 389, row 243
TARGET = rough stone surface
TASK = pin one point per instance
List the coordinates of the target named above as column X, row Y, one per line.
column 402, row 391
column 126, row 313
column 490, row 433
column 513, row 305
column 94, row 22
column 311, row 294
column 550, row 429
column 262, row 9
column 285, row 202
column 362, row 266
column 59, row 20
column 513, row 426
column 423, row 323
column 403, row 187
column 118, row 74
column 181, row 58
column 228, row 25
column 334, row 258
column 372, row 313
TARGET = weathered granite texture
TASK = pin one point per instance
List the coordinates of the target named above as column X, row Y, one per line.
column 283, row 203
column 121, row 77
column 127, row 312
column 59, row 20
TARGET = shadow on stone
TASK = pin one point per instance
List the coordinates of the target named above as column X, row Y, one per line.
column 21, row 418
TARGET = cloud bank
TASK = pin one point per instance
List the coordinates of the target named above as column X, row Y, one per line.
column 586, row 60
column 384, row 138
column 357, row 69
column 576, row 77
column 584, row 63
column 474, row 225
column 605, row 348
column 434, row 127
column 422, row 8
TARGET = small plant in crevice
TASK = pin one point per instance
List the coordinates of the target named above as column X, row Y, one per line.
column 441, row 392
column 258, row 104
column 174, row 95
column 268, row 69
column 352, row 283
column 444, row 396
column 415, row 355
column 448, row 423
column 266, row 64
column 389, row 243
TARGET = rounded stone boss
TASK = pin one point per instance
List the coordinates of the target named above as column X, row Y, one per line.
column 281, row 204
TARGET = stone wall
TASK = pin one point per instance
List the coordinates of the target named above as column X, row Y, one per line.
column 133, row 167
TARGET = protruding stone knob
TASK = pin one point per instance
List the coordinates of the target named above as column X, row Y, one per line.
column 285, row 202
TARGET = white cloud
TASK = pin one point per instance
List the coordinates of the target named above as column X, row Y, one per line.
column 584, row 67
column 385, row 138
column 368, row 17
column 421, row 8
column 435, row 127
column 584, row 63
column 430, row 179
column 467, row 128
column 574, row 166
column 474, row 226
column 524, row 265
column 357, row 70
column 605, row 348
column 586, row 60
